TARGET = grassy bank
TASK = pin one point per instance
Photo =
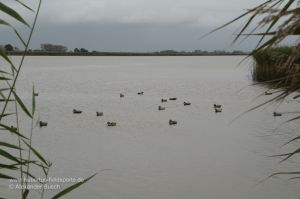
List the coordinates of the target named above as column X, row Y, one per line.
column 270, row 65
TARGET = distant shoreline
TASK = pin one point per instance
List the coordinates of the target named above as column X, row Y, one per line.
column 40, row 53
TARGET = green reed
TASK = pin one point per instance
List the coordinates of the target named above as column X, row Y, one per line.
column 17, row 158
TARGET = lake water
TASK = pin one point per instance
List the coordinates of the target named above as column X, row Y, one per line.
column 207, row 155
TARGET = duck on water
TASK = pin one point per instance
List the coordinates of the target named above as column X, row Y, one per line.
column 77, row 111
column 172, row 122
column 217, row 106
column 111, row 124
column 99, row 114
column 43, row 124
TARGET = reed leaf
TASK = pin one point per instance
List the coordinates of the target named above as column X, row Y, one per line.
column 9, row 145
column 13, row 130
column 4, row 89
column 4, row 72
column 24, row 5
column 9, row 167
column 73, row 187
column 12, row 13
column 33, row 101
column 36, row 153
column 6, row 115
column 9, row 156
column 292, row 140
column 2, row 22
column 3, row 176
column 22, row 105
column 25, row 194
column 32, row 176
column 5, row 57
column 4, row 78
column 284, row 173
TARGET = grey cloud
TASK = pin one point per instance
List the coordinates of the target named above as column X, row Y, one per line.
column 136, row 25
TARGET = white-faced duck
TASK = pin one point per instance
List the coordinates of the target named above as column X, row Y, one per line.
column 172, row 122
column 164, row 100
column 186, row 103
column 217, row 106
column 218, row 110
column 111, row 124
column 276, row 114
column 77, row 111
column 42, row 124
column 141, row 93
column 99, row 114
column 268, row 93
column 173, row 98
column 160, row 108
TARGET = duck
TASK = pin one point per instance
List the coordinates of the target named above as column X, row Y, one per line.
column 160, row 108
column 141, row 93
column 172, row 122
column 36, row 94
column 99, row 114
column 268, row 93
column 186, row 103
column 217, row 106
column 218, row 110
column 276, row 114
column 164, row 100
column 122, row 95
column 111, row 124
column 77, row 111
column 173, row 98
column 42, row 124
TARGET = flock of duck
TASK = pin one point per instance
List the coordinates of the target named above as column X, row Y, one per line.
column 217, row 108
column 275, row 114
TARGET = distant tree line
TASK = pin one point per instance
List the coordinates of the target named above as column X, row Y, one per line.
column 81, row 50
column 9, row 48
column 53, row 48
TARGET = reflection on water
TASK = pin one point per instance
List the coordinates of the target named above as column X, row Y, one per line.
column 204, row 156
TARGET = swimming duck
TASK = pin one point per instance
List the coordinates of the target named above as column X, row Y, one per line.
column 99, row 114
column 218, row 110
column 164, row 100
column 268, row 93
column 217, row 106
column 111, row 124
column 160, row 108
column 36, row 94
column 42, row 124
column 77, row 111
column 173, row 98
column 186, row 103
column 122, row 95
column 276, row 114
column 172, row 122
column 141, row 93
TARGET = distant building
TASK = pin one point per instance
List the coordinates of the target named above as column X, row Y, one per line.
column 53, row 48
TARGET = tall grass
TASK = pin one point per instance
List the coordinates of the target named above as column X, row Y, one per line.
column 17, row 159
column 271, row 22
column 269, row 66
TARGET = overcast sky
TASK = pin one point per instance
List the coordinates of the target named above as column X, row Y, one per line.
column 135, row 25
